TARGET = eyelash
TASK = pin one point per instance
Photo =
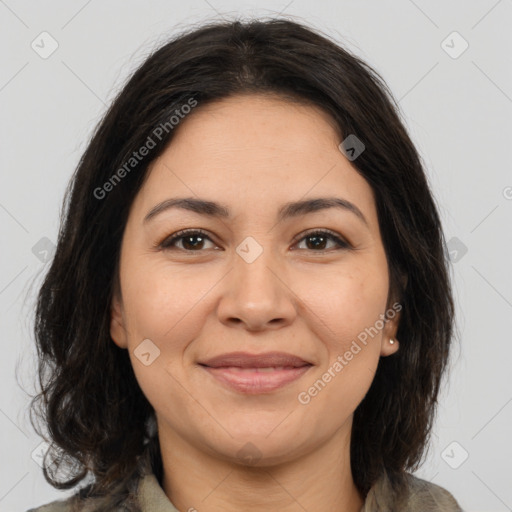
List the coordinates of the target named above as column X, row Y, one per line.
column 169, row 241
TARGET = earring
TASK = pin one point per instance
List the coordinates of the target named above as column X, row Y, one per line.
column 391, row 341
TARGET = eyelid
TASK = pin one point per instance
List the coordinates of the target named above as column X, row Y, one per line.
column 180, row 234
column 341, row 242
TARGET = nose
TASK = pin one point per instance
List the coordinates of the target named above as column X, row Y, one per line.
column 256, row 295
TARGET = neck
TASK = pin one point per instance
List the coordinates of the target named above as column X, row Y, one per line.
column 319, row 480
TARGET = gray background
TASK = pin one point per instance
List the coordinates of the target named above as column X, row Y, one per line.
column 458, row 111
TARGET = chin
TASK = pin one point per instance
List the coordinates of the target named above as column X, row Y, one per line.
column 258, row 449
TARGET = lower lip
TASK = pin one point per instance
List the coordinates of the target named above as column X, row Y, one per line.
column 253, row 382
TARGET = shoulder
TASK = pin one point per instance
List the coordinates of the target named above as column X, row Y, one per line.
column 418, row 496
column 82, row 501
column 70, row 504
column 427, row 496
column 55, row 506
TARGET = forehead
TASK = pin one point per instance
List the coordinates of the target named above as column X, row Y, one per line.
column 252, row 121
column 255, row 152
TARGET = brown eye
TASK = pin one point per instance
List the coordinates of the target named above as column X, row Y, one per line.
column 191, row 240
column 317, row 241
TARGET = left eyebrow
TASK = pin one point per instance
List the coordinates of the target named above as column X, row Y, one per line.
column 286, row 211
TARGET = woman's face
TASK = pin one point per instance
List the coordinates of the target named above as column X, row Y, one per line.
column 253, row 281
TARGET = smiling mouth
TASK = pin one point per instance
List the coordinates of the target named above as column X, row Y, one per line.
column 267, row 369
column 256, row 380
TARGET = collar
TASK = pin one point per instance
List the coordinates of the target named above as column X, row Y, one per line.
column 419, row 497
column 152, row 497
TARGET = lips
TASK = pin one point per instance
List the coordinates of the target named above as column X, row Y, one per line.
column 256, row 373
column 246, row 360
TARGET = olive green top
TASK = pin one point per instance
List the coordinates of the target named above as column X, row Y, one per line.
column 422, row 496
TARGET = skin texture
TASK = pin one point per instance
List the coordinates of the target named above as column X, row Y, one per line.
column 253, row 153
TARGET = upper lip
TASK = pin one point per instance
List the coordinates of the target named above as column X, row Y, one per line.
column 246, row 360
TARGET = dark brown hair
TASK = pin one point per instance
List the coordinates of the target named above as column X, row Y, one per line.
column 99, row 422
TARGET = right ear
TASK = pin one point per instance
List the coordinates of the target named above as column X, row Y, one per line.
column 117, row 324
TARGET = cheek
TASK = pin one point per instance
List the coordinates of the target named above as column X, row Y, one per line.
column 163, row 306
column 348, row 325
column 347, row 302
column 350, row 309
column 159, row 300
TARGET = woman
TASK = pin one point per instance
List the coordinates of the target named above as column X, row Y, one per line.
column 249, row 306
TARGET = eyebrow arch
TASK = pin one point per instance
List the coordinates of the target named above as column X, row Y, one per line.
column 288, row 210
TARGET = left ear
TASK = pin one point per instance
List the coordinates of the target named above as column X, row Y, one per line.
column 390, row 344
column 117, row 327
